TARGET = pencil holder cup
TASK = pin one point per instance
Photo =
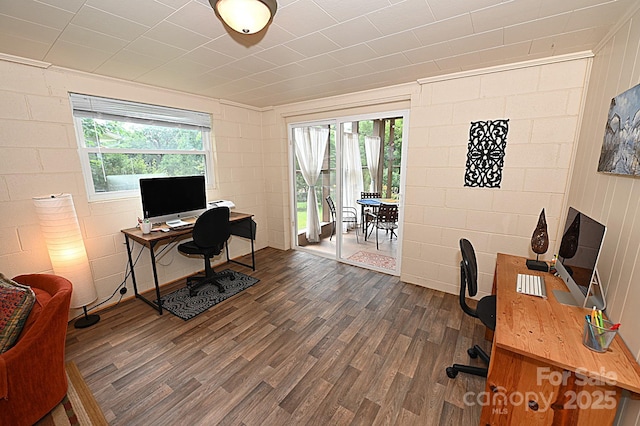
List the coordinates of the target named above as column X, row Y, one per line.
column 146, row 227
column 598, row 338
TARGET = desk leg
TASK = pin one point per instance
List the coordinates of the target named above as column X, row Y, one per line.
column 252, row 237
column 133, row 274
column 157, row 306
column 155, row 276
column 253, row 253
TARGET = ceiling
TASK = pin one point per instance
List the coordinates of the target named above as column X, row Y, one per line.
column 312, row 49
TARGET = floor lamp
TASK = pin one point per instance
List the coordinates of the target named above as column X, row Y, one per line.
column 61, row 232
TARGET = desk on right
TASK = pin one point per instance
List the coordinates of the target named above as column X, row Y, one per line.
column 540, row 373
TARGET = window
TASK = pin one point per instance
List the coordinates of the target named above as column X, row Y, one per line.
column 120, row 142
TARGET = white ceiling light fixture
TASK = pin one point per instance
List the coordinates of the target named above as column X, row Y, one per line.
column 245, row 16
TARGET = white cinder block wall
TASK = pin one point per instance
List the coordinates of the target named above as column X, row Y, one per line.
column 38, row 156
column 542, row 103
column 276, row 167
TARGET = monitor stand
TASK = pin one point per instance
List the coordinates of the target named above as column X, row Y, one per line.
column 565, row 297
column 594, row 296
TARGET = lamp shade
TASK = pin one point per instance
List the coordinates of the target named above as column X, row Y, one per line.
column 61, row 232
column 245, row 16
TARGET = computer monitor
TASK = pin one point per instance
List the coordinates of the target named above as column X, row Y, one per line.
column 578, row 255
column 166, row 199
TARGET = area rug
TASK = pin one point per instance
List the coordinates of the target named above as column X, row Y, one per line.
column 180, row 304
column 374, row 259
column 78, row 408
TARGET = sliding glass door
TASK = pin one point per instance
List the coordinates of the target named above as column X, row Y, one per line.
column 314, row 166
column 336, row 164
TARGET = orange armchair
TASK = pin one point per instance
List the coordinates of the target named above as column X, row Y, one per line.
column 33, row 379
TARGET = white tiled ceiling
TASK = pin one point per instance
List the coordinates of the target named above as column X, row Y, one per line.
column 312, row 49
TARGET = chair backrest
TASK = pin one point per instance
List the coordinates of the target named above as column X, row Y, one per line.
column 332, row 206
column 212, row 228
column 468, row 275
column 364, row 195
column 387, row 213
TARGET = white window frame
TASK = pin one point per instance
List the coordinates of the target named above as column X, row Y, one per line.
column 87, row 106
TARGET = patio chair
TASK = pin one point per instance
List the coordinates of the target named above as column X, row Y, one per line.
column 368, row 209
column 349, row 216
column 385, row 218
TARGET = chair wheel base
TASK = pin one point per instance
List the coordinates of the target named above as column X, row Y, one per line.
column 194, row 285
column 452, row 372
column 473, row 352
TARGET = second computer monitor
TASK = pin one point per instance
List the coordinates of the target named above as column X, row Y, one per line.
column 578, row 255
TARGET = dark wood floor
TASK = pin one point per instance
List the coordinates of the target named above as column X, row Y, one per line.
column 314, row 342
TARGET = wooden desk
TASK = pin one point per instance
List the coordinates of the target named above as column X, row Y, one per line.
column 242, row 225
column 537, row 351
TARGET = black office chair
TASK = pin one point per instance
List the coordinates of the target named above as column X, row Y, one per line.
column 210, row 234
column 485, row 310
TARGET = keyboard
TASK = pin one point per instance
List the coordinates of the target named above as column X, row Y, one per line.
column 532, row 285
column 178, row 223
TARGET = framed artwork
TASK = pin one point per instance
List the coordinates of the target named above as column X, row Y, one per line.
column 485, row 154
column 621, row 145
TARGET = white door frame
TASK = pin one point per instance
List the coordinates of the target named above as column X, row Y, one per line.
column 337, row 122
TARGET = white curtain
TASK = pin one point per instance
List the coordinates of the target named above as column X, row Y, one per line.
column 311, row 143
column 352, row 183
column 372, row 149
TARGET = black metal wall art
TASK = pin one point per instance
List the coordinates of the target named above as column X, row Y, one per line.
column 485, row 155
